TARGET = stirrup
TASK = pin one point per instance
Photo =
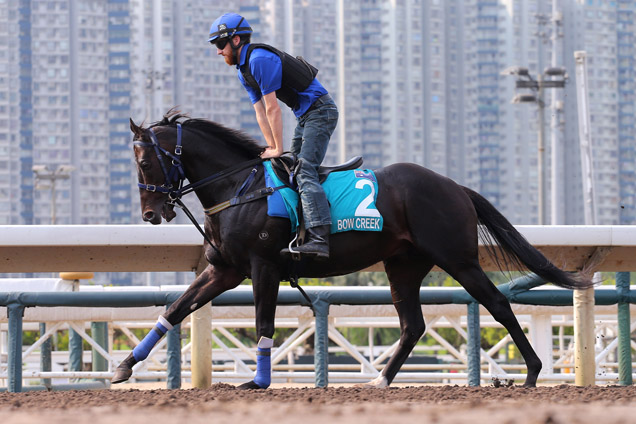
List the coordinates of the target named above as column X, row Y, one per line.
column 295, row 255
column 298, row 240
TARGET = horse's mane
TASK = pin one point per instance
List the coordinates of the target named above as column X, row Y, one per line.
column 232, row 138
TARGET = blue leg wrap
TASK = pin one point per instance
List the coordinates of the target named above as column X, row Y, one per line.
column 141, row 351
column 263, row 367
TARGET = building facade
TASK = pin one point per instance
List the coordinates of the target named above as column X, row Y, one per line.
column 415, row 81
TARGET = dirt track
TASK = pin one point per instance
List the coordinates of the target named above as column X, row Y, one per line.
column 424, row 404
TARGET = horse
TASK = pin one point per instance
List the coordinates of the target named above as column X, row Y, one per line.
column 429, row 220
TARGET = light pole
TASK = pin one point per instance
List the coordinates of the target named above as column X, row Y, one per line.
column 553, row 77
column 43, row 173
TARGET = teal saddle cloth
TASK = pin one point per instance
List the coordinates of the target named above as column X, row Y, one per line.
column 351, row 194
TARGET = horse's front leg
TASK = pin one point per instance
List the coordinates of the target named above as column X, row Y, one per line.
column 210, row 283
column 265, row 281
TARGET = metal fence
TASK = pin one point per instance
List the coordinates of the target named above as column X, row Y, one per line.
column 540, row 310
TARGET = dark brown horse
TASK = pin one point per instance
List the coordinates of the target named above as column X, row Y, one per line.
column 428, row 220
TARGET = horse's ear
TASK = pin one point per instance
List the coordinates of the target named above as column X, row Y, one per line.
column 135, row 129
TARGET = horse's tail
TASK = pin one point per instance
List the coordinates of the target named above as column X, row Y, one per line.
column 515, row 249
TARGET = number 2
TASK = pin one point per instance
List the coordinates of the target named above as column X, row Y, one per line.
column 363, row 207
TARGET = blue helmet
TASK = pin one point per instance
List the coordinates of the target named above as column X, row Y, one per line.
column 229, row 25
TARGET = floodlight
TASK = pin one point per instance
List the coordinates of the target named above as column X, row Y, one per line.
column 65, row 169
column 40, row 169
column 556, row 71
column 524, row 98
column 515, row 70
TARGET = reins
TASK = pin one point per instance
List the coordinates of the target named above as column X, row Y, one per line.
column 176, row 176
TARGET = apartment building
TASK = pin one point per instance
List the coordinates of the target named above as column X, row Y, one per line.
column 415, row 80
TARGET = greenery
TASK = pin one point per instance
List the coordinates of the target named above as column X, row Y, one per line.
column 60, row 340
column 359, row 336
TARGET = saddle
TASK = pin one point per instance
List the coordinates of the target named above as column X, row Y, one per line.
column 287, row 165
column 351, row 195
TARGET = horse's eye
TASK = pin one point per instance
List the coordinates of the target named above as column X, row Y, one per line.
column 145, row 165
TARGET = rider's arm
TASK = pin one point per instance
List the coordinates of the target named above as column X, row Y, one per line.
column 270, row 120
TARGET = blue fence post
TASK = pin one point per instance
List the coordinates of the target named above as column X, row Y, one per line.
column 473, row 351
column 75, row 351
column 45, row 355
column 624, row 332
column 14, row 369
column 174, row 358
column 99, row 333
column 321, row 341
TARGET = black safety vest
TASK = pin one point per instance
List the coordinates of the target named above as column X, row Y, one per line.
column 297, row 74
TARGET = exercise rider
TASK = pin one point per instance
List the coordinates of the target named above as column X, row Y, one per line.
column 268, row 75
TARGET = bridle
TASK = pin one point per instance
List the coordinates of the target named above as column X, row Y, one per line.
column 174, row 188
column 175, row 176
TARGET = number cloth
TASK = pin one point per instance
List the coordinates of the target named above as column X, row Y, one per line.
column 351, row 194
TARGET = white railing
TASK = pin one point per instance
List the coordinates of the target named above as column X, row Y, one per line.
column 114, row 248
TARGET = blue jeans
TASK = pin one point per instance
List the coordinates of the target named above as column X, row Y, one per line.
column 310, row 142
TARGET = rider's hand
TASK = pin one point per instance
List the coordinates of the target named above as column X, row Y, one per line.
column 271, row 153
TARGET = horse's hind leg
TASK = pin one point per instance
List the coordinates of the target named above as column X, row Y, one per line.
column 405, row 274
column 479, row 286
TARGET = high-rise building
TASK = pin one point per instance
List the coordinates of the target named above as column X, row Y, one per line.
column 626, row 60
column 119, row 89
column 415, row 81
column 12, row 185
column 602, row 30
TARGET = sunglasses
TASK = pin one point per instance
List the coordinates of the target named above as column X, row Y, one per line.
column 220, row 43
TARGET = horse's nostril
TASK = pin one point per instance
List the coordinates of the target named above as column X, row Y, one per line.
column 149, row 216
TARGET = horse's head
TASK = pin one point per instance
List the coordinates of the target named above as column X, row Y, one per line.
column 154, row 170
column 213, row 149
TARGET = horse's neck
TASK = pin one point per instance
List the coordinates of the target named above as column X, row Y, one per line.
column 201, row 166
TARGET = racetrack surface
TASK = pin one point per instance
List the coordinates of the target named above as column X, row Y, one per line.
column 222, row 403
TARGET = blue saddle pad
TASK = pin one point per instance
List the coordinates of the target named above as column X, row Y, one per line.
column 351, row 194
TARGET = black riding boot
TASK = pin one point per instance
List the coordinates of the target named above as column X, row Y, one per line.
column 317, row 244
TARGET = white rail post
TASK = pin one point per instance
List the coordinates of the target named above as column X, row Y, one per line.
column 201, row 333
column 583, row 300
column 584, row 354
column 201, row 354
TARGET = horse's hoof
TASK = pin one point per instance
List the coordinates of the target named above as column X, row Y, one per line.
column 250, row 385
column 379, row 382
column 121, row 374
column 531, row 383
